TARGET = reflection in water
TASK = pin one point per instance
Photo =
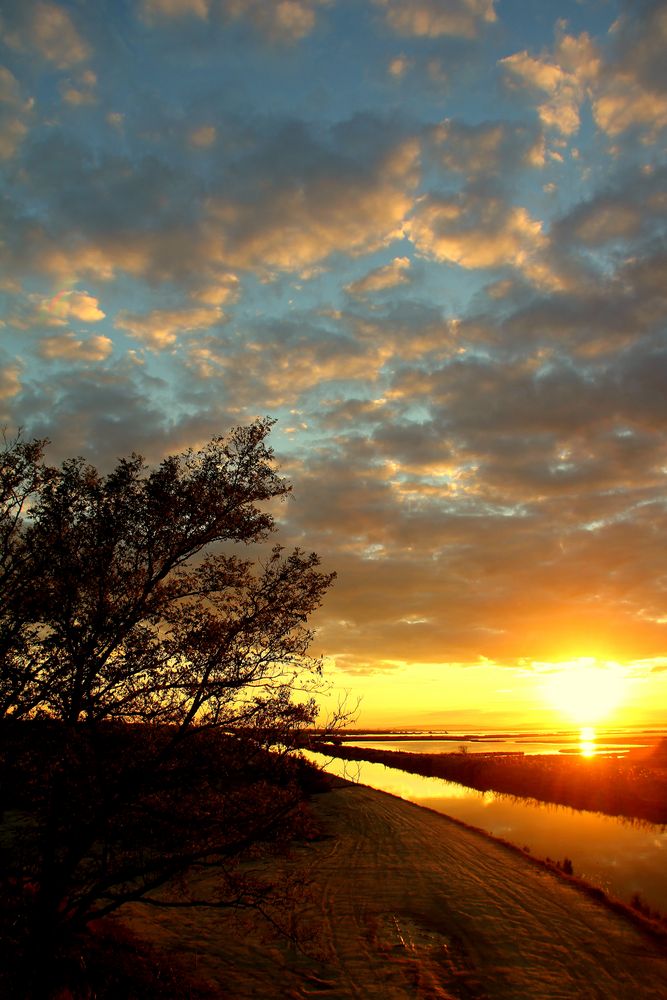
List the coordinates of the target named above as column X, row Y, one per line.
column 587, row 742
column 622, row 856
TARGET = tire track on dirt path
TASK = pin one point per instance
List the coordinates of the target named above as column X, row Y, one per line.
column 406, row 904
column 511, row 929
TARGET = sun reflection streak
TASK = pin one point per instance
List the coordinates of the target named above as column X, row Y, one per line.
column 587, row 747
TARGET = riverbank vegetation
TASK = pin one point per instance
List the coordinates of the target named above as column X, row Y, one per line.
column 635, row 789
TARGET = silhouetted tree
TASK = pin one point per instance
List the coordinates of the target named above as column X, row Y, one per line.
column 22, row 473
column 153, row 680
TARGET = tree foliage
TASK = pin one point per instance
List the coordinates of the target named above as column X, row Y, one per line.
column 152, row 679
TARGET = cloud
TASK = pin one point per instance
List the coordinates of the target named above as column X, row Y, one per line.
column 68, row 305
column 486, row 149
column 435, row 18
column 297, row 201
column 81, row 91
column 452, row 560
column 69, row 347
column 104, row 215
column 622, row 103
column 361, row 414
column 480, row 232
column 564, row 78
column 399, row 66
column 279, row 21
column 296, row 197
column 638, row 39
column 404, row 327
column 10, row 380
column 522, row 464
column 48, row 29
column 13, row 114
column 33, row 311
column 316, row 362
column 103, row 411
column 606, row 234
column 163, row 327
column 12, row 132
column 116, row 119
column 153, row 10
column 590, row 322
column 283, row 20
column 281, row 363
column 632, row 89
column 96, row 411
column 10, row 91
column 625, row 83
column 534, row 428
column 203, row 137
column 225, row 289
column 605, row 220
column 105, row 193
column 382, row 278
column 310, row 361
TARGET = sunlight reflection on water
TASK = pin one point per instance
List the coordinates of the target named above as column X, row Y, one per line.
column 587, row 745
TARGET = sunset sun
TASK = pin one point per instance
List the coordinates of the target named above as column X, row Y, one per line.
column 586, row 692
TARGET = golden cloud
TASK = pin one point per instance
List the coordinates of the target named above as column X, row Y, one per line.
column 293, row 227
column 487, row 148
column 75, row 305
column 82, row 91
column 395, row 273
column 203, row 137
column 69, row 347
column 225, row 289
column 614, row 220
column 624, row 103
column 620, row 98
column 284, row 226
column 561, row 110
column 10, row 381
column 279, row 373
column 479, row 233
column 13, row 111
column 280, row 20
column 161, row 328
column 10, row 91
column 435, row 18
column 12, row 132
column 52, row 32
column 398, row 67
column 151, row 10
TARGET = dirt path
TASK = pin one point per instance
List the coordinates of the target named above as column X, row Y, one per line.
column 403, row 903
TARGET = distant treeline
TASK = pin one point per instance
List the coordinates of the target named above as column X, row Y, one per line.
column 608, row 785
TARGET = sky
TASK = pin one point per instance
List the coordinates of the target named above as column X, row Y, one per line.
column 428, row 238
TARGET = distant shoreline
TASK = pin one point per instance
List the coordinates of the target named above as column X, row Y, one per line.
column 646, row 735
column 633, row 788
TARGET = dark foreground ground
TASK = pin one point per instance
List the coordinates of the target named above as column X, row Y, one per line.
column 379, row 898
column 400, row 903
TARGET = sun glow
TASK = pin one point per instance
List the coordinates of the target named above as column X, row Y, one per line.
column 587, row 742
column 586, row 691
